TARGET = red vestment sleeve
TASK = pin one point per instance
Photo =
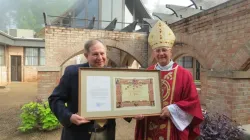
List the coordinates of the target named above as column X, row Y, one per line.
column 190, row 103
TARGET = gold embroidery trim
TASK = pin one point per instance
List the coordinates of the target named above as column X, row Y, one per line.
column 171, row 100
column 165, row 97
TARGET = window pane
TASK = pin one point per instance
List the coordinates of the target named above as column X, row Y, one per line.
column 1, row 50
column 93, row 10
column 42, row 57
column 180, row 61
column 106, row 12
column 1, row 55
column 79, row 22
column 31, row 56
column 42, row 61
column 42, row 52
column 1, row 61
column 188, row 62
column 117, row 13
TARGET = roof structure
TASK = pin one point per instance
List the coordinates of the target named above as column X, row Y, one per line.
column 172, row 11
column 145, row 12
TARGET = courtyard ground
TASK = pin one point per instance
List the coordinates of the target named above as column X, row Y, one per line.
column 15, row 95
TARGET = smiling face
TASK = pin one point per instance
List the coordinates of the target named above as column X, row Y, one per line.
column 162, row 55
column 96, row 55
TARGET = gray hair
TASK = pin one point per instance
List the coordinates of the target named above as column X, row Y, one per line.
column 90, row 43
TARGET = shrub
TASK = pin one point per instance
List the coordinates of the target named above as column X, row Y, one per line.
column 219, row 127
column 37, row 115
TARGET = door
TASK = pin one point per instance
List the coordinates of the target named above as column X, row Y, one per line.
column 15, row 68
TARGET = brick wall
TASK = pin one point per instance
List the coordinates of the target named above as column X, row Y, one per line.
column 48, row 79
column 217, row 37
column 241, row 103
column 63, row 43
column 230, row 97
column 220, row 95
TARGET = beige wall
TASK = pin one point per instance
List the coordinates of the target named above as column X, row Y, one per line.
column 28, row 73
column 3, row 75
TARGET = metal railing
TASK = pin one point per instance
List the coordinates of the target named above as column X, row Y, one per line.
column 74, row 22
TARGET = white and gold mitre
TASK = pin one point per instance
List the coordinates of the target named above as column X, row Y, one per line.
column 161, row 36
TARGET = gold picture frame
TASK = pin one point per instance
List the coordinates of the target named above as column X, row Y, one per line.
column 118, row 93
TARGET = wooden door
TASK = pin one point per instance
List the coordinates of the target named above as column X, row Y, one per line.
column 16, row 68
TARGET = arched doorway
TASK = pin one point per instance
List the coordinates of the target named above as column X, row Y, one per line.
column 129, row 62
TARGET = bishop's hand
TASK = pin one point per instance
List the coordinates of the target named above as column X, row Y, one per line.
column 139, row 117
column 165, row 113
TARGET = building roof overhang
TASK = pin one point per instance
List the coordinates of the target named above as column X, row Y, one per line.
column 6, row 39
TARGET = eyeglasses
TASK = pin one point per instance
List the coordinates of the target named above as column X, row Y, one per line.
column 162, row 50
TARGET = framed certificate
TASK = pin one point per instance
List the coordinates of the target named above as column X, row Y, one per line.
column 118, row 93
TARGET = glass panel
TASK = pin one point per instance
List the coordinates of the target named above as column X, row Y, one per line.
column 79, row 22
column 93, row 10
column 106, row 12
column 128, row 16
column 117, row 12
column 197, row 70
column 188, row 62
column 180, row 61
column 1, row 61
column 42, row 61
column 42, row 52
column 31, row 56
column 42, row 56
column 1, row 55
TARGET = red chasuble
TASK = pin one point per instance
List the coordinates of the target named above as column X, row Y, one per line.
column 177, row 88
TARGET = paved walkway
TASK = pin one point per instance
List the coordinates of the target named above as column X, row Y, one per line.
column 15, row 95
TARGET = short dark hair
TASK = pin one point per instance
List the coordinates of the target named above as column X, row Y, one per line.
column 90, row 43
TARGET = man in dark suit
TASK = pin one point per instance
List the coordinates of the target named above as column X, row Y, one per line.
column 75, row 126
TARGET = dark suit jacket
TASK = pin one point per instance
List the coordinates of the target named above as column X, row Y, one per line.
column 67, row 92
